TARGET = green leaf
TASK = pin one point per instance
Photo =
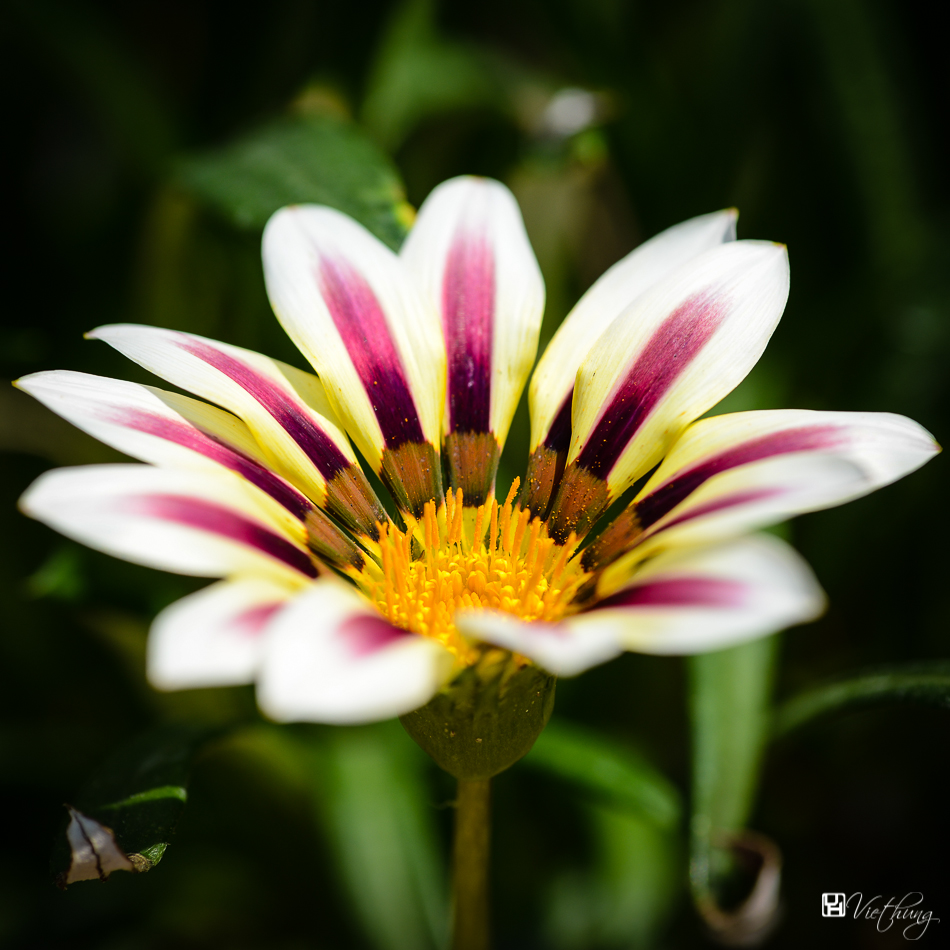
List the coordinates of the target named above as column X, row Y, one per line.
column 302, row 159
column 927, row 683
column 371, row 801
column 124, row 817
column 419, row 74
column 730, row 693
column 608, row 771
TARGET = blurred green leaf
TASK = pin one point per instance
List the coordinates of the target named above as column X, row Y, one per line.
column 608, row 771
column 729, row 695
column 419, row 74
column 626, row 895
column 925, row 683
column 60, row 576
column 138, row 796
column 296, row 160
column 371, row 802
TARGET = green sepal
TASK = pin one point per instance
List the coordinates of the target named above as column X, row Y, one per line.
column 486, row 719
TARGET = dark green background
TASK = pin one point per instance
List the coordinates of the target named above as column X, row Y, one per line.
column 824, row 121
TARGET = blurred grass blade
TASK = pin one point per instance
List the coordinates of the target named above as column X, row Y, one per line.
column 608, row 771
column 124, row 817
column 310, row 158
column 373, row 805
column 625, row 897
column 418, row 74
column 729, row 696
column 927, row 683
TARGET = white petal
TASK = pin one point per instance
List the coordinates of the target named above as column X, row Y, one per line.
column 215, row 637
column 884, row 446
column 558, row 647
column 161, row 427
column 608, row 297
column 347, row 302
column 186, row 522
column 470, row 256
column 694, row 600
column 673, row 354
column 286, row 409
column 730, row 473
column 332, row 658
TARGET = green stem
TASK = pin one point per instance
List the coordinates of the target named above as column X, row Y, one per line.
column 470, row 865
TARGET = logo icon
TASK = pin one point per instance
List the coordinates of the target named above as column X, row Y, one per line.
column 833, row 905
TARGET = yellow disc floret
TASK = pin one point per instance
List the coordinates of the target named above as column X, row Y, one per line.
column 494, row 557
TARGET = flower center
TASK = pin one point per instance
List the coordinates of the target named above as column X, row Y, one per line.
column 494, row 557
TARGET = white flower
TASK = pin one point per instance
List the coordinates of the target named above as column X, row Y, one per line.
column 341, row 614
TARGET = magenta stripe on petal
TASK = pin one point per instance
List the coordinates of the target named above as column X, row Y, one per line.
column 216, row 519
column 359, row 319
column 365, row 634
column 189, row 437
column 667, row 496
column 468, row 311
column 673, row 346
column 558, row 438
column 316, row 444
column 251, row 623
column 727, row 501
column 686, row 591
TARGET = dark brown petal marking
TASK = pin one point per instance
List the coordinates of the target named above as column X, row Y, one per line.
column 315, row 443
column 330, row 544
column 413, row 473
column 581, row 500
column 671, row 349
column 472, row 459
column 545, row 468
column 559, row 435
column 672, row 492
column 191, row 437
column 546, row 465
column 685, row 591
column 614, row 541
column 216, row 519
column 468, row 313
column 362, row 326
column 353, row 502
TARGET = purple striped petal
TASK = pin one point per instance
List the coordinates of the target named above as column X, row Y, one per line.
column 695, row 591
column 190, row 437
column 670, row 350
column 365, row 634
column 217, row 519
column 468, row 313
column 253, row 622
column 360, row 322
column 671, row 493
column 316, row 444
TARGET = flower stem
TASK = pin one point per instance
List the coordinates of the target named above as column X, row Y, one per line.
column 470, row 865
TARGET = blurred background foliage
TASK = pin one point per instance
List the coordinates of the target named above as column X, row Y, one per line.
column 150, row 141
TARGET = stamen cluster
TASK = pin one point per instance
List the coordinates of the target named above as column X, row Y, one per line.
column 493, row 557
